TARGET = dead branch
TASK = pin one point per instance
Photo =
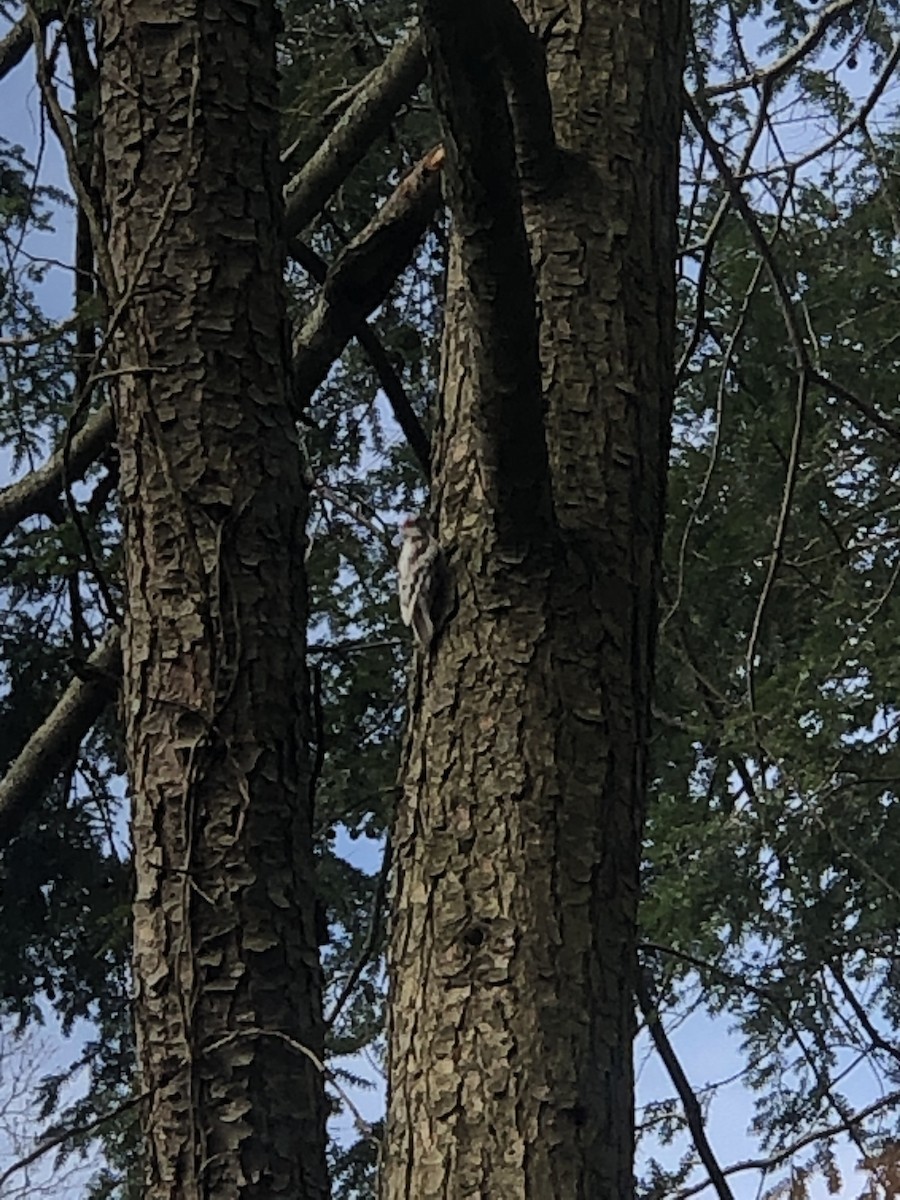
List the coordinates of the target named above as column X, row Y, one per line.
column 391, row 383
column 55, row 743
column 364, row 272
column 374, row 104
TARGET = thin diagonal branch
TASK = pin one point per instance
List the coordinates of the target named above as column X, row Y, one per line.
column 776, row 555
column 877, row 1040
column 681, row 1083
column 805, row 370
column 373, row 937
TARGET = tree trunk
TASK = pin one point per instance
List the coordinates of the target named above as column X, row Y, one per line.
column 226, row 966
column 518, row 838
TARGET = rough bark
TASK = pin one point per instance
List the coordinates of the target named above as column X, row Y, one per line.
column 376, row 102
column 518, row 835
column 226, row 967
column 357, row 282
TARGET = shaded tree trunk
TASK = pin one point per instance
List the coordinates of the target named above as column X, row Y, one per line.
column 226, row 966
column 518, row 837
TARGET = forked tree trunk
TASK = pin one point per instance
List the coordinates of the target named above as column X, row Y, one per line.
column 518, row 837
column 226, row 967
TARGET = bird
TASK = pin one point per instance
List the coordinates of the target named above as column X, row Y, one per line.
column 419, row 569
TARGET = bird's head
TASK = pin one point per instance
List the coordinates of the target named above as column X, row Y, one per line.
column 413, row 527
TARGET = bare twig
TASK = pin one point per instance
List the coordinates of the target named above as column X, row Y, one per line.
column 352, row 511
column 708, row 244
column 879, row 1042
column 805, row 371
column 370, row 944
column 713, row 459
column 778, row 542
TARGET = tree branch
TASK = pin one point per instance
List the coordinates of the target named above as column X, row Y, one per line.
column 464, row 40
column 390, row 381
column 39, row 490
column 767, row 77
column 55, row 743
column 358, row 282
column 688, row 1097
column 375, row 102
column 19, row 41
column 373, row 938
column 364, row 272
column 815, row 1135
